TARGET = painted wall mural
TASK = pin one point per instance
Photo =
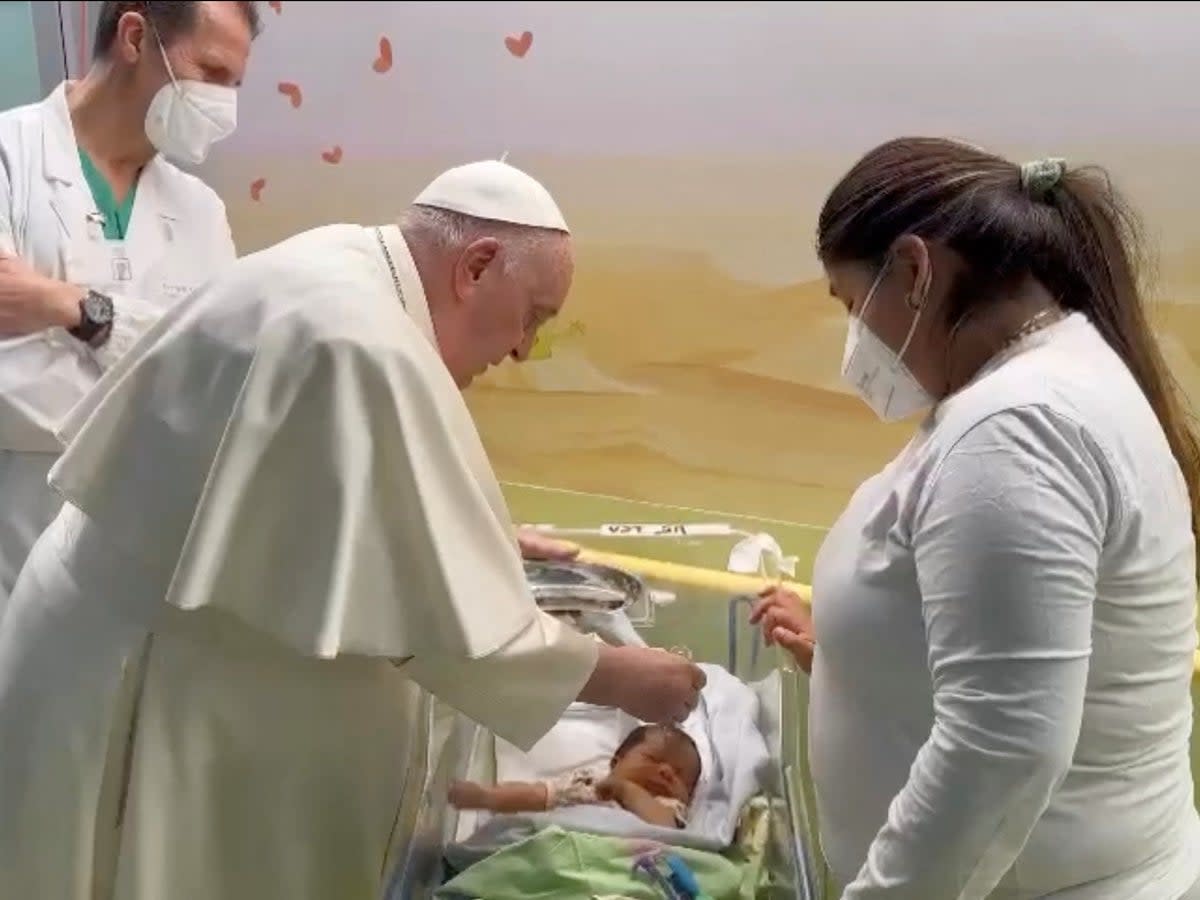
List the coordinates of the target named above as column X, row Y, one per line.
column 696, row 366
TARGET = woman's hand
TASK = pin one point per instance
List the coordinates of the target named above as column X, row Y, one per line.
column 786, row 621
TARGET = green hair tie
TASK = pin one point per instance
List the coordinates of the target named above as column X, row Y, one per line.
column 1040, row 177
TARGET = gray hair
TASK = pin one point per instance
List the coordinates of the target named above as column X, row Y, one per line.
column 447, row 231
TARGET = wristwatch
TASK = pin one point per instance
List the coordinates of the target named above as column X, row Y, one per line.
column 95, row 319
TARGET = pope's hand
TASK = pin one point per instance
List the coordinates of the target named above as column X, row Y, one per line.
column 650, row 684
column 538, row 546
column 30, row 302
column 786, row 621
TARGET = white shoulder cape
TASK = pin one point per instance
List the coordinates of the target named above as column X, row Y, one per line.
column 287, row 446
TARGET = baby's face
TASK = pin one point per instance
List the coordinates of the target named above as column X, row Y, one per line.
column 663, row 767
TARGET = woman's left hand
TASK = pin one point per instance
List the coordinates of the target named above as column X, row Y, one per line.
column 537, row 546
column 786, row 621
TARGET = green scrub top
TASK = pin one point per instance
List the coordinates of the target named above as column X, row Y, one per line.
column 116, row 215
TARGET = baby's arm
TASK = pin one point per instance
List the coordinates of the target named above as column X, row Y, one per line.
column 506, row 797
column 637, row 800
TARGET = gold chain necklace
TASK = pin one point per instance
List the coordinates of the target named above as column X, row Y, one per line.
column 1034, row 323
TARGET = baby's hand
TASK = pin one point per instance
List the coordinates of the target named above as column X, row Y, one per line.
column 468, row 795
column 634, row 798
column 611, row 789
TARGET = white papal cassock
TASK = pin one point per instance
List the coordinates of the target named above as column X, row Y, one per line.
column 280, row 526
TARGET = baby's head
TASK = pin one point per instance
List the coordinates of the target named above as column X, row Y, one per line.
column 660, row 758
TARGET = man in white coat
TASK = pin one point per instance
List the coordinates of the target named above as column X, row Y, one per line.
column 280, row 525
column 99, row 231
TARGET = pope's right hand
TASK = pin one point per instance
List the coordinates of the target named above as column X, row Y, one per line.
column 650, row 684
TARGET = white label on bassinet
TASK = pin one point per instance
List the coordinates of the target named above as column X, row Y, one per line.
column 673, row 530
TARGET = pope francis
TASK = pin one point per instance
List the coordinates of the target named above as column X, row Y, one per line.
column 280, row 526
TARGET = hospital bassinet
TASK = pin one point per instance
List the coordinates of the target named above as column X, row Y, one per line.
column 711, row 625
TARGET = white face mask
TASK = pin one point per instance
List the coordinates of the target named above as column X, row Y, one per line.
column 877, row 372
column 186, row 118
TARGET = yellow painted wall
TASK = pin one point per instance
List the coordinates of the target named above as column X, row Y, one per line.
column 696, row 364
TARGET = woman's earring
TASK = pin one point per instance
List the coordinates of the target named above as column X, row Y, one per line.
column 911, row 299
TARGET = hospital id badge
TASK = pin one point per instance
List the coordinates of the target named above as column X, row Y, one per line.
column 122, row 268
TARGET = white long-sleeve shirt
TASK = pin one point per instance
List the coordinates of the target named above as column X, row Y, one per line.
column 1005, row 622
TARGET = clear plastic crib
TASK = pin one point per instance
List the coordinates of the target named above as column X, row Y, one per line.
column 710, row 624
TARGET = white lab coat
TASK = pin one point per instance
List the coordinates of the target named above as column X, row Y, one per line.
column 178, row 236
column 280, row 521
column 1005, row 622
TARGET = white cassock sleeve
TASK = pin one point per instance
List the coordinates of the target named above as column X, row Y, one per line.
column 1007, row 546
column 345, row 515
column 520, row 691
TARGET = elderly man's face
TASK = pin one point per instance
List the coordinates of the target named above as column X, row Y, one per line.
column 502, row 302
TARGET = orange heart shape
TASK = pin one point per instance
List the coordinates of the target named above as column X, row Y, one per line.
column 383, row 62
column 518, row 46
column 292, row 92
column 256, row 188
column 333, row 157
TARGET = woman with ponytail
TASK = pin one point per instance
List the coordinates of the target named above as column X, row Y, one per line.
column 1004, row 619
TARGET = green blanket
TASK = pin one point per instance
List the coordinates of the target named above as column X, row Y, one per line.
column 568, row 865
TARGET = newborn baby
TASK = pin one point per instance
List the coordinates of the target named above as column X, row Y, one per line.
column 653, row 775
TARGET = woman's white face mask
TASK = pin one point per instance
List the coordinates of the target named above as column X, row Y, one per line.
column 186, row 118
column 878, row 373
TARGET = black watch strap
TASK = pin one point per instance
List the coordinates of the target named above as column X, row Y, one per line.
column 96, row 315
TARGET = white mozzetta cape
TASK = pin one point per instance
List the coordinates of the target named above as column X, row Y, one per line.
column 287, row 446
